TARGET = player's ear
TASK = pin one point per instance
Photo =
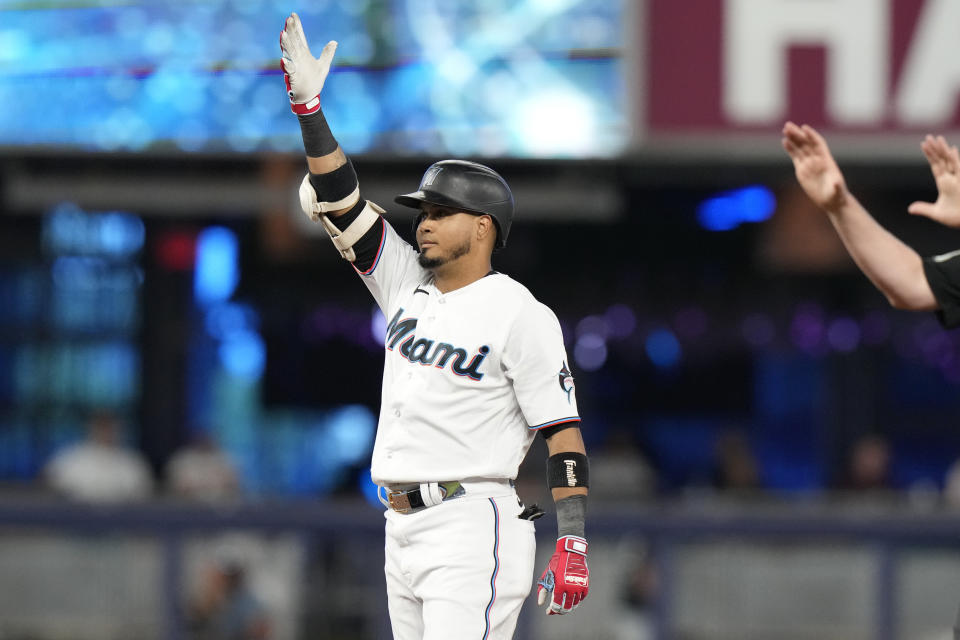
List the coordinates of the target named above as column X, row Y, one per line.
column 485, row 227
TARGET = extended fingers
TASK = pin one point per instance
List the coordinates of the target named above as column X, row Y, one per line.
column 292, row 38
column 937, row 153
column 948, row 155
column 920, row 208
column 816, row 141
column 793, row 139
column 293, row 26
column 793, row 134
column 801, row 141
column 942, row 157
column 326, row 55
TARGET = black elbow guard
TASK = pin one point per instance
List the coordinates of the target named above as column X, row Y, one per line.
column 336, row 185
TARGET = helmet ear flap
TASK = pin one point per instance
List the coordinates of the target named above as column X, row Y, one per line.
column 497, row 234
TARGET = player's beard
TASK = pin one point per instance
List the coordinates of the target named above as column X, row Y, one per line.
column 438, row 261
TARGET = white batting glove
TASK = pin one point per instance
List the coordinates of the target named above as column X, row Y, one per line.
column 303, row 73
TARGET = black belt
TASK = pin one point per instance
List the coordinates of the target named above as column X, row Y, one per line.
column 411, row 500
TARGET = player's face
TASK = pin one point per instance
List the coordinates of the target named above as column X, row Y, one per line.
column 444, row 235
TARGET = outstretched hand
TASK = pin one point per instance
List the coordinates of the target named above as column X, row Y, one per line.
column 945, row 164
column 303, row 73
column 816, row 170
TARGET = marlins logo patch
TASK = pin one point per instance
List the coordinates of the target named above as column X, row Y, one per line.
column 566, row 380
column 430, row 176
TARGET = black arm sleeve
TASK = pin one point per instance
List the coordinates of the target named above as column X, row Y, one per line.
column 318, row 140
column 943, row 275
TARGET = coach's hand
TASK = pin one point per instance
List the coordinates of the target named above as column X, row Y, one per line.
column 945, row 164
column 817, row 171
column 567, row 578
column 303, row 73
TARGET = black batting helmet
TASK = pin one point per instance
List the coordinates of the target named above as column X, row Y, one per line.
column 465, row 186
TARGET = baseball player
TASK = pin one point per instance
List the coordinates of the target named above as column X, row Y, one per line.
column 474, row 368
column 907, row 280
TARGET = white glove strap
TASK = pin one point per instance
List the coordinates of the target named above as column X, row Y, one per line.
column 575, row 544
column 344, row 240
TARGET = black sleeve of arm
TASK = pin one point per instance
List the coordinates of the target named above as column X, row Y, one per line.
column 549, row 432
column 368, row 246
column 318, row 140
column 943, row 275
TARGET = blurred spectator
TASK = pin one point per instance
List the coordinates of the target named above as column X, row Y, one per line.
column 638, row 594
column 951, row 486
column 619, row 471
column 224, row 608
column 735, row 467
column 868, row 466
column 202, row 471
column 100, row 468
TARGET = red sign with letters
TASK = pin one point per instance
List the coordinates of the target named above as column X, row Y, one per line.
column 860, row 66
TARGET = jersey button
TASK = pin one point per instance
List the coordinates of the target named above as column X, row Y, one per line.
column 396, row 412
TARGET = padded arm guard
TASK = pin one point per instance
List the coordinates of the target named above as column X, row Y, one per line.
column 345, row 239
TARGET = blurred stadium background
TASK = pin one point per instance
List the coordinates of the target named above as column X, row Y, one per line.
column 773, row 445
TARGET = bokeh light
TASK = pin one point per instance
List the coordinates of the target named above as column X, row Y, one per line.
column 843, row 334
column 590, row 351
column 459, row 80
column 663, row 348
column 730, row 209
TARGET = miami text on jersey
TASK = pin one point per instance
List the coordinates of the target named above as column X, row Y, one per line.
column 426, row 351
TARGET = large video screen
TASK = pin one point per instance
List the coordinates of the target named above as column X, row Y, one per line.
column 486, row 78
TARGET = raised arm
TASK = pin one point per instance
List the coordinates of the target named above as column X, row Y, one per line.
column 330, row 190
column 893, row 267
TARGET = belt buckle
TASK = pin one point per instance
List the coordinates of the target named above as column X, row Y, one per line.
column 399, row 501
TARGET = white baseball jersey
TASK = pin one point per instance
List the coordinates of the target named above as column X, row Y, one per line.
column 468, row 375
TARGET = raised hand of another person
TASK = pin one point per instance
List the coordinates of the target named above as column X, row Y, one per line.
column 945, row 164
column 816, row 170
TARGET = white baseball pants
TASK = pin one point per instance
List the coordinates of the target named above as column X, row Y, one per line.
column 461, row 569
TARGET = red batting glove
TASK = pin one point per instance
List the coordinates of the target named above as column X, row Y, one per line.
column 566, row 576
